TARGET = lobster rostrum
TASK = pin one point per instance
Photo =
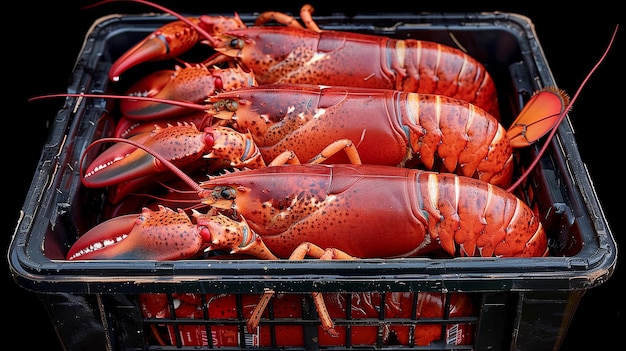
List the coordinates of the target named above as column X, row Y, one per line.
column 294, row 54
column 386, row 127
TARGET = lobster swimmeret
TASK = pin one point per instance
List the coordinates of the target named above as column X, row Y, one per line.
column 291, row 54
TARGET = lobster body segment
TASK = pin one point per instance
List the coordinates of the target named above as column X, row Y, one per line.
column 302, row 56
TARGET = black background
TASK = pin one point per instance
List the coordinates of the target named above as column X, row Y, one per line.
column 42, row 41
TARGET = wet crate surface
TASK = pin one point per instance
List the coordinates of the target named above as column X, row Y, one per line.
column 520, row 298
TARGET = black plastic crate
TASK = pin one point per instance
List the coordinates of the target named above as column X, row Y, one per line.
column 516, row 303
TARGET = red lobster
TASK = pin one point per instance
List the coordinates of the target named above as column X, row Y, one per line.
column 288, row 307
column 387, row 127
column 305, row 56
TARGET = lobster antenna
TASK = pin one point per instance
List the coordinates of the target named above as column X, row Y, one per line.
column 562, row 115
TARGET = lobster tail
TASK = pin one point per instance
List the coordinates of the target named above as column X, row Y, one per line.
column 468, row 217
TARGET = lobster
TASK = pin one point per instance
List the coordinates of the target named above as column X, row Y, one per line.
column 288, row 307
column 385, row 127
column 305, row 56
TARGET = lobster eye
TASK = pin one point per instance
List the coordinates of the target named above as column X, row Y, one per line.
column 219, row 197
column 236, row 44
column 228, row 193
column 232, row 105
column 228, row 105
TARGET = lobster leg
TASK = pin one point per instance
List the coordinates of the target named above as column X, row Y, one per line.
column 303, row 250
column 305, row 14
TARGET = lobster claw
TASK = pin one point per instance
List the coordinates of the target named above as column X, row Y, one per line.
column 192, row 83
column 537, row 117
column 183, row 145
column 156, row 84
column 169, row 41
column 174, row 39
column 123, row 162
column 151, row 235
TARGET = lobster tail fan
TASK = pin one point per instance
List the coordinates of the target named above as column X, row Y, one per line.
column 538, row 116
